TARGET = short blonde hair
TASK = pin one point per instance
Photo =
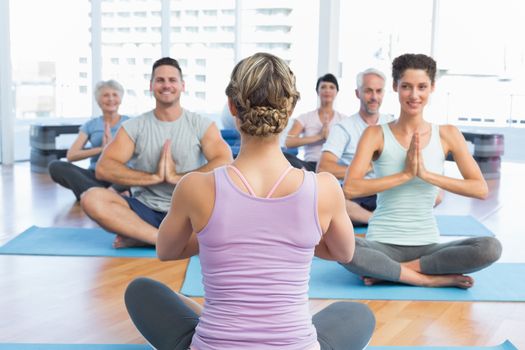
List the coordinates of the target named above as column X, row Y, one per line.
column 262, row 89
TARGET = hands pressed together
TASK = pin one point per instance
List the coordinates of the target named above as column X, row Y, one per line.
column 166, row 169
column 326, row 127
column 106, row 139
column 414, row 163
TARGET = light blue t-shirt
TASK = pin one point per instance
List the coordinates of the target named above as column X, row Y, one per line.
column 404, row 214
column 345, row 135
column 94, row 129
column 149, row 135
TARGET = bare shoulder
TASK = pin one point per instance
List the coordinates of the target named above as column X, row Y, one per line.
column 328, row 183
column 449, row 132
column 373, row 133
column 195, row 180
column 450, row 135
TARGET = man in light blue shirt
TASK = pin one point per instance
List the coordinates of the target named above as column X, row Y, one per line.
column 340, row 147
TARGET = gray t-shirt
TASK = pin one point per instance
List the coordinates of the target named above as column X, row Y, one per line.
column 149, row 134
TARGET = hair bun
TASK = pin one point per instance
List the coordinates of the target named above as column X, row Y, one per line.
column 263, row 121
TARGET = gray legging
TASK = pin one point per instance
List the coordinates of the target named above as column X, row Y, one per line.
column 381, row 260
column 77, row 179
column 167, row 323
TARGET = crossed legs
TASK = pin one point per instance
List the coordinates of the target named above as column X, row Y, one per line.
column 111, row 211
column 167, row 319
column 433, row 265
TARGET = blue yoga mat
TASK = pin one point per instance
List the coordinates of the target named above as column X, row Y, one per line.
column 70, row 242
column 507, row 345
column 329, row 280
column 29, row 346
column 454, row 225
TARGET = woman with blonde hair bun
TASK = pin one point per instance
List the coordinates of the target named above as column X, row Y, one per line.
column 256, row 225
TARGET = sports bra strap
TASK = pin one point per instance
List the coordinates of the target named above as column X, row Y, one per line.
column 243, row 179
column 249, row 188
column 281, row 178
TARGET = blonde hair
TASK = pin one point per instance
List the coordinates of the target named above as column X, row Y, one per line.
column 262, row 89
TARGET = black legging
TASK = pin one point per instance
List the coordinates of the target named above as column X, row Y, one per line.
column 167, row 323
column 77, row 179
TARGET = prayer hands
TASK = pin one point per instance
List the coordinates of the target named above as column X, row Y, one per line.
column 107, row 135
column 166, row 170
column 326, row 126
column 414, row 163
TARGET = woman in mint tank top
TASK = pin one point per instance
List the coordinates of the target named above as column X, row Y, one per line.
column 402, row 243
column 256, row 225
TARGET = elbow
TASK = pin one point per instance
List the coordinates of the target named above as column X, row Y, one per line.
column 70, row 157
column 349, row 190
column 483, row 192
column 100, row 173
column 321, row 166
column 347, row 257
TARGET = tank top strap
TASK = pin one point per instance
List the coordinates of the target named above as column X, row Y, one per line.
column 249, row 187
column 279, row 180
column 243, row 179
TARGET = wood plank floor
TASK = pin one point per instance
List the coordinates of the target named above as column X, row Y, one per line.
column 79, row 300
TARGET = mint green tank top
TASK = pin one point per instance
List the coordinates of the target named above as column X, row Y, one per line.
column 404, row 214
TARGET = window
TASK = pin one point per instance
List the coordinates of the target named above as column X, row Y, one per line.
column 51, row 66
column 229, row 29
column 200, row 95
column 273, row 28
column 200, row 78
column 128, row 54
column 376, row 46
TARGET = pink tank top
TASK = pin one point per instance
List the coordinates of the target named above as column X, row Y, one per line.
column 256, row 255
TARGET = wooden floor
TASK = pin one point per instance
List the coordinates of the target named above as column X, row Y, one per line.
column 79, row 300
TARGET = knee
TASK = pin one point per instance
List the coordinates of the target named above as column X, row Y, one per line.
column 135, row 289
column 491, row 249
column 55, row 168
column 91, row 199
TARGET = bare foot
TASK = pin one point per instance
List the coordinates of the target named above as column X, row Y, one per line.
column 370, row 281
column 460, row 281
column 126, row 242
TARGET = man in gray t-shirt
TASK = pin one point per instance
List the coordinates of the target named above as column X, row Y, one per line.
column 160, row 146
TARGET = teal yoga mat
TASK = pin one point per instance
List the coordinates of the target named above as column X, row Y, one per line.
column 30, row 346
column 329, row 280
column 70, row 242
column 507, row 345
column 454, row 225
